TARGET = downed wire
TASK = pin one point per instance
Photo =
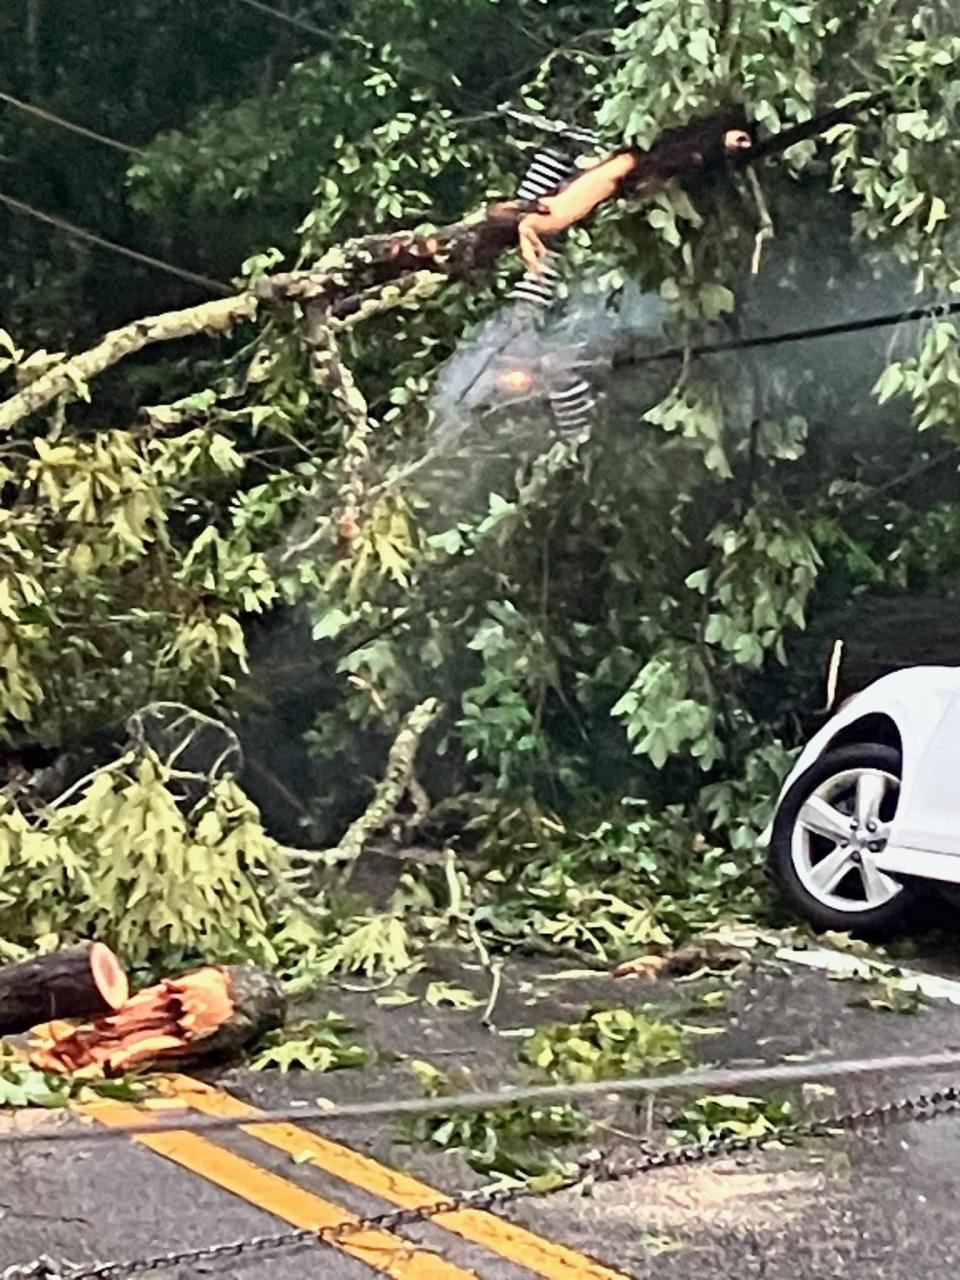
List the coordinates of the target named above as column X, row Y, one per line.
column 931, row 311
column 717, row 1078
column 596, row 1170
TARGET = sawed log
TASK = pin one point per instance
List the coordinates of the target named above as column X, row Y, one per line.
column 208, row 1013
column 77, row 982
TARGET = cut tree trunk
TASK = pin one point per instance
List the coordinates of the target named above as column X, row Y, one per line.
column 78, row 982
column 209, row 1013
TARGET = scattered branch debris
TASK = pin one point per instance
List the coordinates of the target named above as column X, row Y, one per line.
column 324, row 1045
column 22, row 1085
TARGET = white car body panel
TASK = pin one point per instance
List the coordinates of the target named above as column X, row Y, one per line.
column 924, row 704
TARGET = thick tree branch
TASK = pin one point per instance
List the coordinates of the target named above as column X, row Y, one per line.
column 330, row 372
column 406, row 291
column 394, row 784
column 391, row 789
column 353, row 280
column 73, row 375
column 356, row 280
column 456, row 251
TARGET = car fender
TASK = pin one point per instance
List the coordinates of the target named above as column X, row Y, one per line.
column 915, row 699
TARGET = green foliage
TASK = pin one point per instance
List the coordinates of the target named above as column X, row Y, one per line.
column 605, row 616
column 516, row 1142
column 639, row 879
column 885, row 990
column 731, row 1115
column 121, row 862
column 440, row 994
column 571, row 911
column 604, row 1045
column 500, row 727
column 101, row 609
column 739, row 809
column 668, row 708
column 23, row 1086
column 891, row 995
column 376, row 946
column 768, row 570
column 323, row 1045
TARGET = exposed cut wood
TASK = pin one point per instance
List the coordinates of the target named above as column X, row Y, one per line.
column 209, row 1012
column 78, row 982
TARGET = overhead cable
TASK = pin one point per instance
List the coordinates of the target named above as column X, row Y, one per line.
column 289, row 18
column 145, row 259
column 84, row 132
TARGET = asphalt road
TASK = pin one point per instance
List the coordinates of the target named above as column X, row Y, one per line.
column 877, row 1206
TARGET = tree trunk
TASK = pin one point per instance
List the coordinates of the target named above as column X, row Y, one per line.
column 208, row 1013
column 79, row 982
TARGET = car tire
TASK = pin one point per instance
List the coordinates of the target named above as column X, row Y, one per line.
column 797, row 850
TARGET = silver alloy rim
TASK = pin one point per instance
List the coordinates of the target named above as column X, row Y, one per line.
column 841, row 827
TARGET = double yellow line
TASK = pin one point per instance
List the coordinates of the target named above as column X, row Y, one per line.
column 384, row 1252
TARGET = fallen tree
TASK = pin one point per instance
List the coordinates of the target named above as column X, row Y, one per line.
column 638, row 599
column 375, row 273
column 208, row 1013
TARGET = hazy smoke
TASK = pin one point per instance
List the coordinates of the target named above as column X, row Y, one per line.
column 491, row 411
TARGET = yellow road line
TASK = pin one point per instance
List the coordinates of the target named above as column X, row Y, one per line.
column 543, row 1257
column 388, row 1254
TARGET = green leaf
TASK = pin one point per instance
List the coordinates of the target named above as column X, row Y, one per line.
column 442, row 993
column 395, row 999
column 331, row 624
column 938, row 213
column 909, row 209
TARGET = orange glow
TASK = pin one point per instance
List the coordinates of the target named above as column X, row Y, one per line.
column 516, row 379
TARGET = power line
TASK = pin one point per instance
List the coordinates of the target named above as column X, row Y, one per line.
column 714, row 1079
column 932, row 311
column 79, row 233
column 50, row 118
column 289, row 18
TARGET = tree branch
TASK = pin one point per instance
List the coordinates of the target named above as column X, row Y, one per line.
column 350, row 280
column 390, row 791
column 355, row 280
column 72, row 376
column 393, row 786
column 330, row 371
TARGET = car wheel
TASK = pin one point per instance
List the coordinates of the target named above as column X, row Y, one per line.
column 829, row 828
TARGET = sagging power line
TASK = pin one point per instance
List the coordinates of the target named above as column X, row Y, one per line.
column 930, row 311
column 145, row 259
column 50, row 117
column 714, row 1079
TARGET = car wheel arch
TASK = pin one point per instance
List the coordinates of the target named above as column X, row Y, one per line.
column 875, row 727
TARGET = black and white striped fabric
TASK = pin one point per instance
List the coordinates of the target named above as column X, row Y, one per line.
column 572, row 403
column 570, row 395
column 549, row 170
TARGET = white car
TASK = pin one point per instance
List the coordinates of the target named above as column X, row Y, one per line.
column 870, row 813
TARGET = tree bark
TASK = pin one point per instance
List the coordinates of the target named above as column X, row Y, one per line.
column 391, row 789
column 74, row 374
column 73, row 983
column 358, row 279
column 207, row 1013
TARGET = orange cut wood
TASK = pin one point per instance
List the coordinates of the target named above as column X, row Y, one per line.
column 209, row 1011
